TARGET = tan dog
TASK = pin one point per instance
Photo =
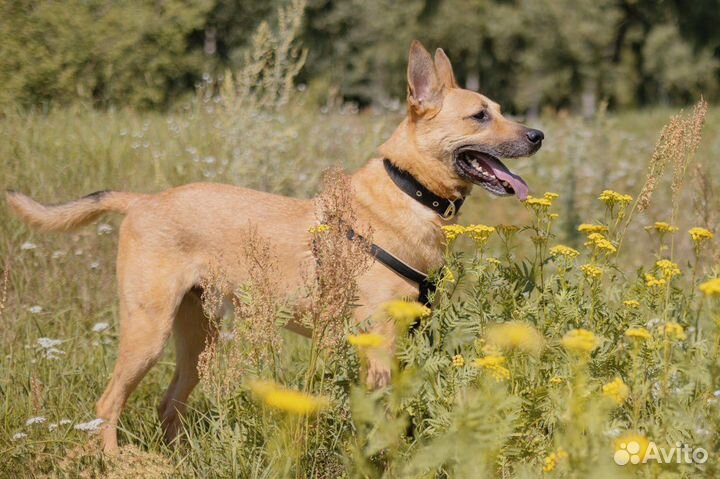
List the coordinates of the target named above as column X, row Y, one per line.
column 451, row 138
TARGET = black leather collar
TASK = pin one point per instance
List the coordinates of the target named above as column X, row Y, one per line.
column 444, row 207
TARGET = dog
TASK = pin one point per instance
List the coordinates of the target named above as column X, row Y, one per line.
column 450, row 140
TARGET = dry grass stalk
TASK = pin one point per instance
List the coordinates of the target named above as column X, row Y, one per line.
column 691, row 136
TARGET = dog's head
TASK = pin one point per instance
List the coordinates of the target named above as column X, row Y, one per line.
column 453, row 137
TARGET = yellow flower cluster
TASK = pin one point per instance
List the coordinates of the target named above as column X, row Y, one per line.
column 493, row 261
column 321, row 228
column 368, row 340
column 540, row 203
column 453, row 231
column 700, row 234
column 550, row 196
column 458, row 361
column 711, row 288
column 668, row 268
column 674, row 331
column 662, row 227
column 616, row 390
column 562, row 250
column 288, row 400
column 653, row 282
column 479, row 233
column 494, row 365
column 631, row 303
column 404, row 313
column 611, row 197
column 592, row 228
column 507, row 230
column 580, row 341
column 638, row 333
column 515, row 335
column 591, row 271
column 552, row 459
column 556, row 380
column 597, row 240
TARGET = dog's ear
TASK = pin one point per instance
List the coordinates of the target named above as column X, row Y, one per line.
column 424, row 87
column 444, row 69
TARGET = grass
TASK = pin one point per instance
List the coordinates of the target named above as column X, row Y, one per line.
column 466, row 422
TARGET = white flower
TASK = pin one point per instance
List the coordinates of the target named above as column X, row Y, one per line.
column 57, row 254
column 90, row 425
column 52, row 426
column 27, row 246
column 64, row 421
column 35, row 420
column 19, row 435
column 53, row 353
column 35, row 309
column 47, row 343
column 95, row 265
column 100, row 327
column 104, row 228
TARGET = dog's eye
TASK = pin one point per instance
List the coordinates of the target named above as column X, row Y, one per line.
column 482, row 116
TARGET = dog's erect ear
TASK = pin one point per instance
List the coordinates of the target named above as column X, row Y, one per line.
column 424, row 87
column 444, row 69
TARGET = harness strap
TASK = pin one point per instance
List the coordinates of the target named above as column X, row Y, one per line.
column 425, row 286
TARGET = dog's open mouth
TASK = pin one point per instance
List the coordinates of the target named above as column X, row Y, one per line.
column 488, row 171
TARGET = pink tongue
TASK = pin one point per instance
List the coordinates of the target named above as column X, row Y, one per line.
column 517, row 183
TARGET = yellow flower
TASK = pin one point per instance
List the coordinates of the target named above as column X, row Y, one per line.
column 711, row 288
column 611, row 197
column 638, row 333
column 506, row 230
column 632, row 303
column 493, row 261
column 452, row 232
column 616, row 390
column 562, row 250
column 674, row 331
column 632, row 444
column 405, row 312
column 552, row 459
column 550, row 196
column 662, row 227
column 591, row 271
column 288, row 400
column 700, row 234
column 367, row 340
column 668, row 268
column 321, row 228
column 541, row 203
column 494, row 365
column 515, row 335
column 556, row 380
column 553, row 216
column 479, row 233
column 591, row 228
column 580, row 341
column 652, row 282
column 598, row 241
column 458, row 361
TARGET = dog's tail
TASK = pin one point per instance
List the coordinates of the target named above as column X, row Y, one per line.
column 67, row 216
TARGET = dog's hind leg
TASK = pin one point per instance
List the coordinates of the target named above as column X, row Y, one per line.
column 192, row 331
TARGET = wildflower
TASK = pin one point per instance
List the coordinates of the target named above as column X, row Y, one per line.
column 89, row 426
column 631, row 442
column 711, row 288
column 104, row 228
column 506, row 230
column 610, row 197
column 19, row 435
column 368, row 340
column 405, row 313
column 553, row 216
column 458, row 361
column 47, row 343
column 591, row 271
column 100, row 327
column 321, row 228
column 674, row 331
column 652, row 282
column 550, row 196
column 591, row 228
column 631, row 303
column 288, row 400
column 538, row 203
column 662, row 227
column 35, row 420
column 515, row 335
column 700, row 234
column 551, row 461
column 556, row 380
column 452, row 232
column 597, row 240
column 27, row 246
column 668, row 268
column 493, row 261
column 494, row 365
column 638, row 333
column 35, row 309
column 479, row 233
column 562, row 250
column 580, row 341
column 616, row 390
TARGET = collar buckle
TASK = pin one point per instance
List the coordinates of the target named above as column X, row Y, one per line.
column 450, row 211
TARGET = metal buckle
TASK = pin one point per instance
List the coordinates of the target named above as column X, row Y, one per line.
column 450, row 211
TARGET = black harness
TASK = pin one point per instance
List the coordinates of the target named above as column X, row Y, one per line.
column 444, row 207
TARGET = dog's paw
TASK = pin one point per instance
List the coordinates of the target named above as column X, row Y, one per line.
column 378, row 375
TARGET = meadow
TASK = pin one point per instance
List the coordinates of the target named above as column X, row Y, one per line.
column 548, row 346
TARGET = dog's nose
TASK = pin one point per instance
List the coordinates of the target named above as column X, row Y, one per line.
column 535, row 136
